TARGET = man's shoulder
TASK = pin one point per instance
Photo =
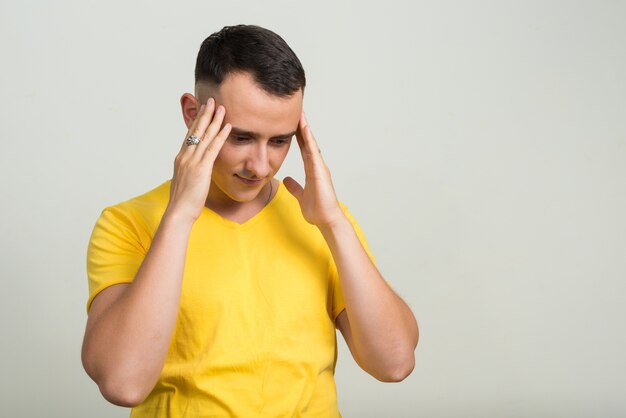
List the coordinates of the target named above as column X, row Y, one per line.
column 148, row 205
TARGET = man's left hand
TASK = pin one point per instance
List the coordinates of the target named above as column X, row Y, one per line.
column 317, row 199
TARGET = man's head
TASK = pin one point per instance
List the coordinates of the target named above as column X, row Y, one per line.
column 253, row 50
column 258, row 79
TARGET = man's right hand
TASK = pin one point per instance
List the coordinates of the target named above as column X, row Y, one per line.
column 194, row 163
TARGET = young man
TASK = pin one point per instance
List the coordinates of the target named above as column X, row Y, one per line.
column 218, row 292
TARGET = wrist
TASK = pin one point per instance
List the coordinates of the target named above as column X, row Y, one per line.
column 177, row 219
column 337, row 225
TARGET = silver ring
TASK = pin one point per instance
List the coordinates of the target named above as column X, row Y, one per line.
column 193, row 140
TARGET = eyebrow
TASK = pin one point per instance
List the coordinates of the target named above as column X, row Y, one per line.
column 243, row 132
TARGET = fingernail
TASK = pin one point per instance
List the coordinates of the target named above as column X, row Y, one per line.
column 210, row 101
column 202, row 107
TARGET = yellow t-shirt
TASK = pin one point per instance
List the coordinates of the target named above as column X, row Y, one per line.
column 255, row 334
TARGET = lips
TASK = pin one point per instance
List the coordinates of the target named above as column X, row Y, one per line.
column 250, row 182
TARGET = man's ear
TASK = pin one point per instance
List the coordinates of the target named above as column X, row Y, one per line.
column 190, row 107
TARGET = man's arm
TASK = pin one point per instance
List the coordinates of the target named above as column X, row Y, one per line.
column 378, row 326
column 130, row 326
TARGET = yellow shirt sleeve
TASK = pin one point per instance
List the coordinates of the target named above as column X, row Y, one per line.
column 115, row 252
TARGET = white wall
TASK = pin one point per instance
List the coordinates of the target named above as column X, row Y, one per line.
column 481, row 145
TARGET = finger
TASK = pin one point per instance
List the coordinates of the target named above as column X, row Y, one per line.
column 213, row 147
column 293, row 187
column 300, row 138
column 310, row 143
column 210, row 132
column 183, row 146
column 200, row 123
column 216, row 124
column 309, row 149
column 204, row 118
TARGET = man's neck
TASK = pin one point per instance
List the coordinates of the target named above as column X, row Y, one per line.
column 239, row 212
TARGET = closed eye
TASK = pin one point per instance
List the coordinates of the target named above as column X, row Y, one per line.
column 281, row 141
column 240, row 138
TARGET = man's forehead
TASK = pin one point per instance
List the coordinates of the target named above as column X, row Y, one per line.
column 253, row 111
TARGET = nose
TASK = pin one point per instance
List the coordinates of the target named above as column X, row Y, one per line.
column 257, row 163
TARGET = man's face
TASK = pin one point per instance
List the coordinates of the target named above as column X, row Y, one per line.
column 262, row 128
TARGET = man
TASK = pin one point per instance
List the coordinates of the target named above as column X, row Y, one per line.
column 218, row 292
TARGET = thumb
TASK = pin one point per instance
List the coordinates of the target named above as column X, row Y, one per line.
column 293, row 187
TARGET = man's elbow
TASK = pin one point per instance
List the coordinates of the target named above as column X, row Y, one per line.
column 119, row 390
column 121, row 394
column 399, row 372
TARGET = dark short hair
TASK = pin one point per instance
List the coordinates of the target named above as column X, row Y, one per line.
column 255, row 50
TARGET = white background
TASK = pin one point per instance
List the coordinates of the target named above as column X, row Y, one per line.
column 481, row 145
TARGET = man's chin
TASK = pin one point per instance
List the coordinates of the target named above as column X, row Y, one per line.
column 247, row 193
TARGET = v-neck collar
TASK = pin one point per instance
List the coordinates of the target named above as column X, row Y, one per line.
column 209, row 213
